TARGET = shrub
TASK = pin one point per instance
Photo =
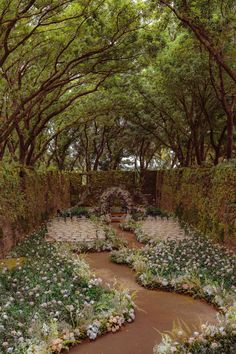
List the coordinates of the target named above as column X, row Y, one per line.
column 154, row 211
column 76, row 211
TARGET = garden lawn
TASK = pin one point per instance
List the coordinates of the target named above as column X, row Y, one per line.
column 53, row 301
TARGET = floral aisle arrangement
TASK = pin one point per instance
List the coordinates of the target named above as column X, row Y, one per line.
column 54, row 301
column 134, row 226
column 110, row 241
column 210, row 339
column 197, row 267
column 128, row 225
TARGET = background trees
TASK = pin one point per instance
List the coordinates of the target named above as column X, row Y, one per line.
column 213, row 24
column 53, row 54
column 117, row 84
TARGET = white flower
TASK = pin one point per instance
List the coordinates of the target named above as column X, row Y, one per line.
column 164, row 282
column 215, row 345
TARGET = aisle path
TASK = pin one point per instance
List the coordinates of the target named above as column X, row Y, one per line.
column 156, row 311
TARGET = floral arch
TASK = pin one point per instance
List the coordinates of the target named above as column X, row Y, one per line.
column 114, row 193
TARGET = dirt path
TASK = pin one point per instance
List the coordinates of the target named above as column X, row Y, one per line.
column 128, row 236
column 156, row 312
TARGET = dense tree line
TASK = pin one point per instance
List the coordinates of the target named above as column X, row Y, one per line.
column 108, row 84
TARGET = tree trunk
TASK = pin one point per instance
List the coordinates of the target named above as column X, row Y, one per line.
column 230, row 135
column 2, row 149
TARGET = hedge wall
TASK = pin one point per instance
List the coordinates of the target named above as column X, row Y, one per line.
column 26, row 202
column 204, row 198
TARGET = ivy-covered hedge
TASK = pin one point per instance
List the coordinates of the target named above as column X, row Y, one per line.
column 27, row 201
column 204, row 198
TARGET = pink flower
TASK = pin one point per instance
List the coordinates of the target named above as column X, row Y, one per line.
column 56, row 345
column 185, row 286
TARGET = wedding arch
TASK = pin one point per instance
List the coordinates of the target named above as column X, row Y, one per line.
column 114, row 193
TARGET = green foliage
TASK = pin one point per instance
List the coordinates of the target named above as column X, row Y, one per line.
column 202, row 198
column 154, row 211
column 93, row 40
column 76, row 211
column 29, row 200
column 179, row 106
column 11, row 199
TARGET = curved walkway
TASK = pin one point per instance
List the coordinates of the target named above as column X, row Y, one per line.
column 156, row 310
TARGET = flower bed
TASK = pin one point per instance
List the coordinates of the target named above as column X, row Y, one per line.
column 54, row 301
column 211, row 339
column 197, row 267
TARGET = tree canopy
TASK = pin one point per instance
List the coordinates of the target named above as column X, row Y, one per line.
column 109, row 84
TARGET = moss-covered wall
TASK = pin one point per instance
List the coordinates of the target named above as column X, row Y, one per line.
column 204, row 198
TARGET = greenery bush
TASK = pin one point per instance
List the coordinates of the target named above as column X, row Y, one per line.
column 154, row 211
column 76, row 211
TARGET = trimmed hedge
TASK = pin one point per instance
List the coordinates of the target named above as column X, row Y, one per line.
column 204, row 198
column 26, row 202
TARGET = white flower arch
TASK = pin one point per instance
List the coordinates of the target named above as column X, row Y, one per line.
column 115, row 192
